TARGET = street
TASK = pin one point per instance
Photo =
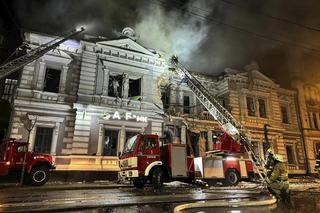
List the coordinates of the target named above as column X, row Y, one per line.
column 130, row 199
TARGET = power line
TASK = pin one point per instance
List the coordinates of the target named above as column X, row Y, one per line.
column 214, row 20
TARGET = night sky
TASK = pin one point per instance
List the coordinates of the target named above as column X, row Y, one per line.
column 283, row 37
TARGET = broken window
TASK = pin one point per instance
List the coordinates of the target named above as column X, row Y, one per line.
column 135, row 88
column 250, row 106
column 165, row 97
column 284, row 115
column 115, row 86
column 290, row 154
column 262, row 108
column 186, row 104
column 52, row 80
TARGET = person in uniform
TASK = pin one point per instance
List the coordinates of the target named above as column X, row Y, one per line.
column 269, row 161
column 277, row 182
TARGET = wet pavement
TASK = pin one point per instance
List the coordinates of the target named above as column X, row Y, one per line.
column 301, row 202
column 11, row 201
column 114, row 198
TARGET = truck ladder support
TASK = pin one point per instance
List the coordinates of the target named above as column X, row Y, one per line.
column 16, row 64
column 228, row 123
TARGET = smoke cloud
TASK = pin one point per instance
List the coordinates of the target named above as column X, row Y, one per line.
column 207, row 35
column 173, row 31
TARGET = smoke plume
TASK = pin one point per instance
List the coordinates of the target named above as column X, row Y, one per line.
column 173, row 31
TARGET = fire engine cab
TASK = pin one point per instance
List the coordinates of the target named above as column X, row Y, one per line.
column 146, row 160
column 37, row 166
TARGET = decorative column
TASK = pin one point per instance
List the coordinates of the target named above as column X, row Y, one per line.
column 100, row 140
column 122, row 138
column 125, row 86
column 183, row 134
column 105, row 82
column 41, row 75
column 32, row 138
column 55, row 139
column 63, row 79
column 210, row 141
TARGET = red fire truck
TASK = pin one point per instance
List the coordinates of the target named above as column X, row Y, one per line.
column 38, row 166
column 146, row 160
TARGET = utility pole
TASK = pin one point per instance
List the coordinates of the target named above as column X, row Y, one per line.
column 28, row 125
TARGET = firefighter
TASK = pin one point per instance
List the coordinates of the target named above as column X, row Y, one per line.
column 270, row 161
column 317, row 167
column 278, row 183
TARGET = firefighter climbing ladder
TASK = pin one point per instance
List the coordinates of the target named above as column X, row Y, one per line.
column 229, row 124
column 14, row 65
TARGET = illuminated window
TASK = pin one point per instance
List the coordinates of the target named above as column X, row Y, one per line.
column 52, row 80
column 250, row 106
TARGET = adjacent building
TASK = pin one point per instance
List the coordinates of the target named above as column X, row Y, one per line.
column 309, row 109
column 269, row 112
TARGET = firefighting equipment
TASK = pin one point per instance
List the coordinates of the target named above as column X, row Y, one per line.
column 278, row 181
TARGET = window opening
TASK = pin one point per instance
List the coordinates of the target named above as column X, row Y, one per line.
column 250, row 106
column 111, row 138
column 284, row 115
column 115, row 86
column 290, row 154
column 52, row 80
column 315, row 122
column 262, row 108
column 186, row 104
column 135, row 88
column 43, row 140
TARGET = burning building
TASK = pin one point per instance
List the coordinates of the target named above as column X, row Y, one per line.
column 86, row 98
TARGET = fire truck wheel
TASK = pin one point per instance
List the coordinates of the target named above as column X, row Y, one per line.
column 231, row 178
column 157, row 178
column 39, row 175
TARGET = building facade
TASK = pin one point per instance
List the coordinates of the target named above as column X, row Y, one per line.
column 269, row 112
column 86, row 98
column 309, row 109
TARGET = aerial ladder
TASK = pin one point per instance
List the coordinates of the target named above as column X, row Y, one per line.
column 16, row 64
column 227, row 122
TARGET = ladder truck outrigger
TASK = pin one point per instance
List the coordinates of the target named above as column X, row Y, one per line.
column 144, row 159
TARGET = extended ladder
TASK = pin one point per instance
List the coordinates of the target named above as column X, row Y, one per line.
column 228, row 123
column 16, row 64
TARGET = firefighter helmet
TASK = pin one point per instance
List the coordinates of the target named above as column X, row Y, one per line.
column 270, row 151
column 278, row 157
